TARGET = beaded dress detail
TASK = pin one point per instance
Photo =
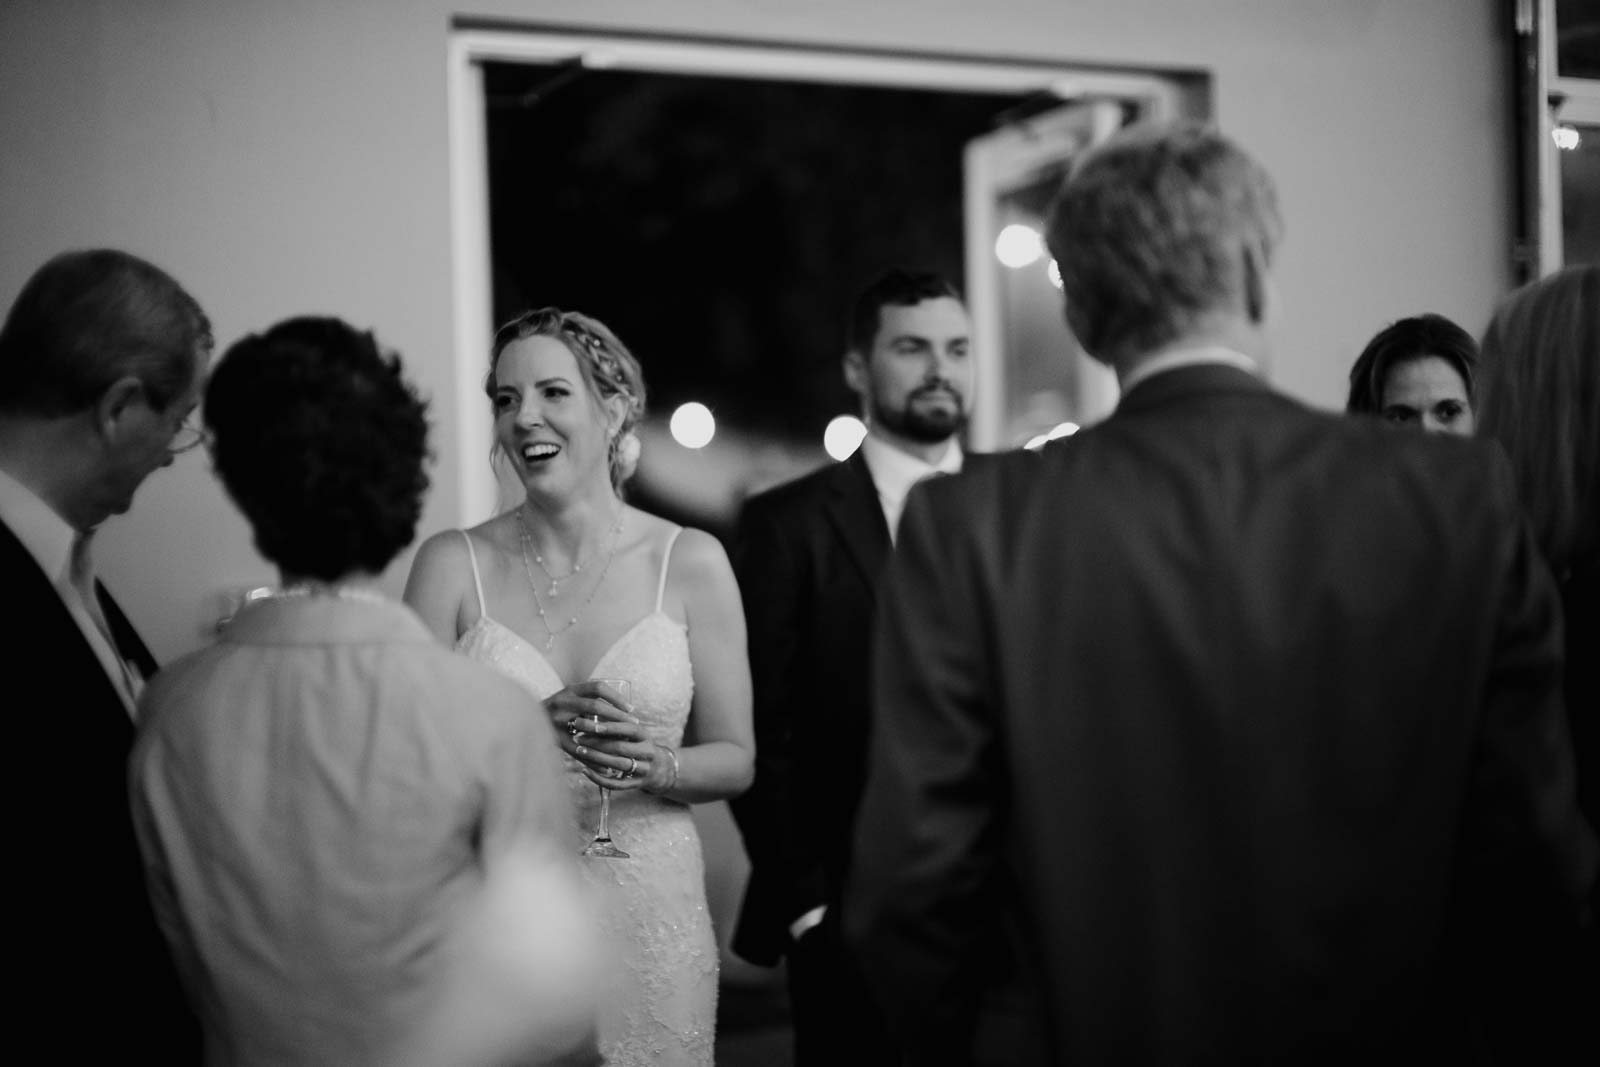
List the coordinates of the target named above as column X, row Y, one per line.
column 661, row 1008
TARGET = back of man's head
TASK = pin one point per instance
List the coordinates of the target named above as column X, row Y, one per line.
column 1159, row 231
column 85, row 320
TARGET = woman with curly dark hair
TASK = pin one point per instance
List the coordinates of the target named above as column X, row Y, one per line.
column 320, row 794
column 1417, row 372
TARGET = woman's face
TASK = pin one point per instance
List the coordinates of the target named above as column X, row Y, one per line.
column 547, row 420
column 1429, row 393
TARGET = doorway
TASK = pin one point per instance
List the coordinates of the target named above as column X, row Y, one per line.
column 718, row 203
column 777, row 133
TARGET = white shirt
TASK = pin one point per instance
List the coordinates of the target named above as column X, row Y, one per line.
column 48, row 538
column 894, row 473
column 1187, row 357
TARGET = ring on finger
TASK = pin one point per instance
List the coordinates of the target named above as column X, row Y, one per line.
column 633, row 768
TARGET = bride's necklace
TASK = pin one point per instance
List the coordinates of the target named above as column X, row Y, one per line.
column 556, row 579
column 538, row 601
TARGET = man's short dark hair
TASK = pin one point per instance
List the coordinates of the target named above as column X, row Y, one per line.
column 322, row 443
column 895, row 287
column 87, row 319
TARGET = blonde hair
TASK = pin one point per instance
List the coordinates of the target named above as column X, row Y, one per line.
column 608, row 369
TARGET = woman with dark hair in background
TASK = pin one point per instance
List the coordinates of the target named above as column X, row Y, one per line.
column 1417, row 372
column 1540, row 398
column 323, row 797
column 580, row 597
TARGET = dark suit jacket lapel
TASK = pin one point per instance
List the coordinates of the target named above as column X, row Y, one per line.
column 854, row 510
column 52, row 626
column 129, row 645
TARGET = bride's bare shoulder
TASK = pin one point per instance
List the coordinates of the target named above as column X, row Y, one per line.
column 501, row 533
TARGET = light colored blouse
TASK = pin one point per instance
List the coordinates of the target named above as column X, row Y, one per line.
column 316, row 797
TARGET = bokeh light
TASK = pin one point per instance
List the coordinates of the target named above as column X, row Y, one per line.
column 1018, row 245
column 843, row 436
column 693, row 425
column 1064, row 429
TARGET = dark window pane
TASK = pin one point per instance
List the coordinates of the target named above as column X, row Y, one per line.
column 1578, row 38
column 1580, row 196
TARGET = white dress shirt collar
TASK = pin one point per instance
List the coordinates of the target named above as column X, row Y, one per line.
column 46, row 535
column 1187, row 357
column 894, row 472
column 49, row 540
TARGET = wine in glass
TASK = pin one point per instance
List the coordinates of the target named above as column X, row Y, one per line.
column 602, row 845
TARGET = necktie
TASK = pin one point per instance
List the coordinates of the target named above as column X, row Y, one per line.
column 80, row 572
column 894, row 531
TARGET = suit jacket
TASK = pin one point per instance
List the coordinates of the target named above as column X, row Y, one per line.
column 808, row 557
column 99, row 985
column 1251, row 713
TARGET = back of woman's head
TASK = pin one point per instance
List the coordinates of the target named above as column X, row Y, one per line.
column 1401, row 342
column 1540, row 390
column 321, row 442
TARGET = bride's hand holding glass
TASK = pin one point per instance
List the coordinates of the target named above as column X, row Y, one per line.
column 596, row 727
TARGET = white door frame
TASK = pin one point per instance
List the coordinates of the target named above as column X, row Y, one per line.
column 995, row 164
column 1579, row 104
column 470, row 47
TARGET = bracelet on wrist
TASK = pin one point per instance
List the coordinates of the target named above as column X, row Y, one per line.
column 671, row 785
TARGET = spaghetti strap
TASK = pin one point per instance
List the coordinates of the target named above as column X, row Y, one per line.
column 666, row 558
column 477, row 583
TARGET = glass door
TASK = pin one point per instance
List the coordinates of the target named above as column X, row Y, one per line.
column 1033, row 381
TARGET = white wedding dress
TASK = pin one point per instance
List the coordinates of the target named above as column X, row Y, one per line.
column 663, row 1003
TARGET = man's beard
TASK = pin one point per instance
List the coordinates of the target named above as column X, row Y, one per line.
column 924, row 427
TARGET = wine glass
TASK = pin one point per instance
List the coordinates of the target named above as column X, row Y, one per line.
column 602, row 846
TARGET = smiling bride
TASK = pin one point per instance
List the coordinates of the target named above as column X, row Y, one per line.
column 628, row 632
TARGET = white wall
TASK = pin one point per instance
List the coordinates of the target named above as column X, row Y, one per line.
column 285, row 157
column 288, row 157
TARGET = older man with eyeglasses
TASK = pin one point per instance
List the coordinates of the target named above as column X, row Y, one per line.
column 101, row 364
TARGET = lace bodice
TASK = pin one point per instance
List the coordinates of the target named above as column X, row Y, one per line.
column 662, row 1008
column 653, row 654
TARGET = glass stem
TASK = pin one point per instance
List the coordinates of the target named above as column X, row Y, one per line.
column 605, row 814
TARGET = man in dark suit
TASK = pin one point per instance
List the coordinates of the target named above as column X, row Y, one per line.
column 101, row 359
column 808, row 557
column 1251, row 714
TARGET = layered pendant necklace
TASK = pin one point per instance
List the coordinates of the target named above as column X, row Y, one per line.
column 530, row 558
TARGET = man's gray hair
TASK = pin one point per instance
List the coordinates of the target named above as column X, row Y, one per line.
column 1151, row 230
column 86, row 319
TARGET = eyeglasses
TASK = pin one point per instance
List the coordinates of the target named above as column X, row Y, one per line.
column 189, row 436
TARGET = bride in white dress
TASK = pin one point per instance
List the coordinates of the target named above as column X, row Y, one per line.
column 573, row 589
